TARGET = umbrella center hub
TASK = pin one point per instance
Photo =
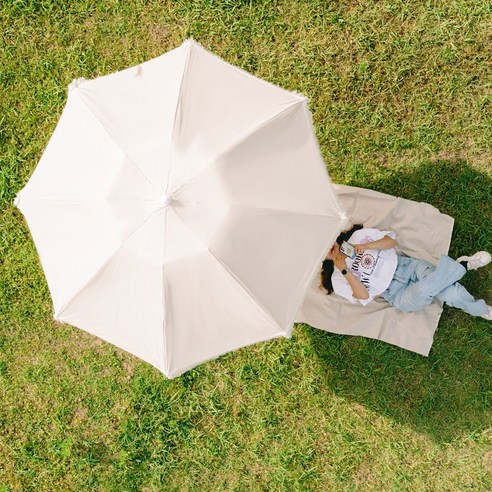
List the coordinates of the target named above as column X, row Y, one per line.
column 165, row 201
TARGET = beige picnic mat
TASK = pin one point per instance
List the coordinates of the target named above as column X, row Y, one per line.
column 422, row 232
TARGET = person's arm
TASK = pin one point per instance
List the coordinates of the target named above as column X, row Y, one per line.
column 359, row 290
column 384, row 243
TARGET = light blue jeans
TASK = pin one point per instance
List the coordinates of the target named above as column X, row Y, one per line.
column 416, row 283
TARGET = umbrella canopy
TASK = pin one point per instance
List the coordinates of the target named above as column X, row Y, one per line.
column 181, row 208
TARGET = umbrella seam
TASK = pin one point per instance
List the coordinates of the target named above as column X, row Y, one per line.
column 316, row 267
column 67, row 303
column 104, row 264
column 181, row 370
column 176, row 109
column 100, row 120
column 166, row 358
column 310, row 214
column 87, row 199
column 245, row 72
column 309, row 277
column 265, row 311
column 309, row 120
column 240, row 139
column 241, row 284
column 165, row 352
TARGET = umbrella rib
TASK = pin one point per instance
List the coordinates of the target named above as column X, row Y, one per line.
column 240, row 138
column 342, row 219
column 100, row 120
column 245, row 72
column 165, row 346
column 87, row 283
column 178, row 104
column 241, row 284
column 104, row 264
column 265, row 311
column 295, row 212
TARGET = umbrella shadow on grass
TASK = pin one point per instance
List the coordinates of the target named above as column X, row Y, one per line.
column 447, row 394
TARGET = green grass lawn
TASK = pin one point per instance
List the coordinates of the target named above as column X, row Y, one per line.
column 401, row 97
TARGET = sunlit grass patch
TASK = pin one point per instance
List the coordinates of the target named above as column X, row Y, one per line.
column 401, row 100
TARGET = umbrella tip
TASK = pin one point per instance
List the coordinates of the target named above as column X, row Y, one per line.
column 345, row 221
column 75, row 83
column 192, row 43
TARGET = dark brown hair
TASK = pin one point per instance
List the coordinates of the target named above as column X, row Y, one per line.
column 328, row 266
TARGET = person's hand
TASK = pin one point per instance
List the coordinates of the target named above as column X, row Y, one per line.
column 360, row 248
column 339, row 260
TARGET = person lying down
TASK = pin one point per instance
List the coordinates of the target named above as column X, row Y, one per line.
column 363, row 264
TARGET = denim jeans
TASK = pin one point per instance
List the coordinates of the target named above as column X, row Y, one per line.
column 416, row 283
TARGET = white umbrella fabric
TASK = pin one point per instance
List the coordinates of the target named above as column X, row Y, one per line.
column 181, row 208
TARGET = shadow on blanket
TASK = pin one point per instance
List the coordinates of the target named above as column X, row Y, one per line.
column 446, row 395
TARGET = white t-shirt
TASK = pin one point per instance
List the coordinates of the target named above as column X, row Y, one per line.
column 374, row 267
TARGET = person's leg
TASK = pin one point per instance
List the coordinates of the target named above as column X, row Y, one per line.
column 404, row 276
column 426, row 282
column 457, row 296
column 409, row 270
